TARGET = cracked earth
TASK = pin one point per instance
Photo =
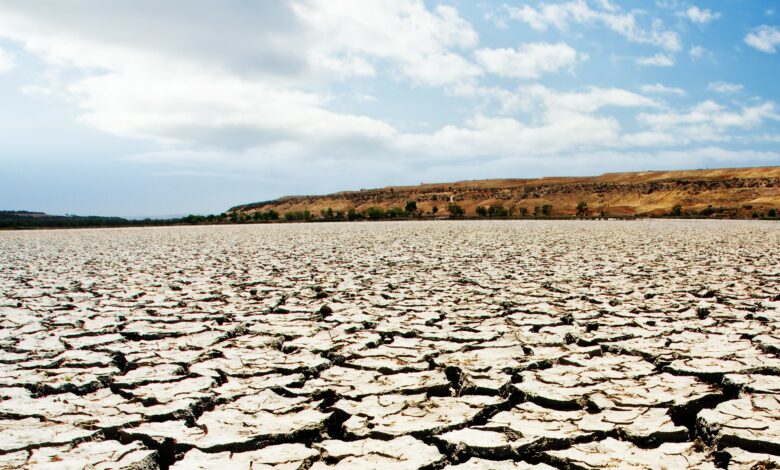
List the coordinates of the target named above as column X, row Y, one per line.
column 430, row 345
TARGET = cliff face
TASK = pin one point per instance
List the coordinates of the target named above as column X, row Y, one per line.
column 731, row 192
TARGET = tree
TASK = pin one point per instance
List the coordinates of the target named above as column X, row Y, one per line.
column 482, row 211
column 497, row 210
column 582, row 209
column 455, row 210
column 411, row 206
column 677, row 210
column 772, row 213
column 523, row 212
column 434, row 209
column 375, row 213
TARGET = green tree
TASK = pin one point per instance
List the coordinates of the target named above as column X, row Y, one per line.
column 375, row 213
column 497, row 210
column 482, row 211
column 455, row 210
column 582, row 209
column 411, row 206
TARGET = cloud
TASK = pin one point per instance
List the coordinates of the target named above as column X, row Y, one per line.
column 419, row 42
column 529, row 61
column 658, row 60
column 697, row 52
column 724, row 87
column 764, row 38
column 699, row 16
column 709, row 120
column 660, row 89
column 561, row 15
column 7, row 61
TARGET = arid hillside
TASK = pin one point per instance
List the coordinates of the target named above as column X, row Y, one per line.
column 740, row 192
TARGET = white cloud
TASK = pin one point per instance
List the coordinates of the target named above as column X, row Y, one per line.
column 660, row 89
column 658, row 60
column 700, row 16
column 724, row 87
column 561, row 15
column 418, row 41
column 7, row 61
column 697, row 52
column 529, row 61
column 764, row 38
column 709, row 120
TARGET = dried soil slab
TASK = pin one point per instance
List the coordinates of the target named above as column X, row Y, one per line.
column 611, row 453
column 150, row 374
column 101, row 409
column 743, row 459
column 59, row 380
column 97, row 455
column 28, row 433
column 247, row 362
column 751, row 423
column 388, row 416
column 276, row 457
column 264, row 417
column 237, row 387
column 400, row 453
column 754, row 383
column 482, row 464
column 355, row 383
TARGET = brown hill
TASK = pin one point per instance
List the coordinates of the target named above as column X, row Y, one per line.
column 732, row 192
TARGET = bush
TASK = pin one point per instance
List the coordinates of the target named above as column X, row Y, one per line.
column 523, row 212
column 772, row 213
column 677, row 210
column 394, row 212
column 497, row 210
column 434, row 209
column 352, row 214
column 375, row 213
column 482, row 211
column 707, row 212
column 547, row 210
column 455, row 210
column 411, row 206
column 582, row 209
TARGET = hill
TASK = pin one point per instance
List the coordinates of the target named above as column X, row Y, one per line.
column 731, row 192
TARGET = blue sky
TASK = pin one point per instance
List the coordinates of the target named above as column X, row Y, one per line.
column 142, row 107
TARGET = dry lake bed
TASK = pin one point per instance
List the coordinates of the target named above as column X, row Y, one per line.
column 458, row 345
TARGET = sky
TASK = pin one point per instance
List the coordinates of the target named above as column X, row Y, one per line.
column 159, row 108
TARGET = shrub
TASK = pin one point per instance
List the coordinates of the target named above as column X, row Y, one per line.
column 677, row 210
column 582, row 209
column 394, row 212
column 707, row 212
column 547, row 210
column 455, row 210
column 523, row 212
column 497, row 210
column 411, row 206
column 375, row 213
column 772, row 213
column 482, row 211
column 434, row 209
column 352, row 214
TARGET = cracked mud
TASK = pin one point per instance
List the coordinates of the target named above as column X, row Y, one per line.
column 457, row 345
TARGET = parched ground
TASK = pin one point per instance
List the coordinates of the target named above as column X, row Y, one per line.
column 458, row 345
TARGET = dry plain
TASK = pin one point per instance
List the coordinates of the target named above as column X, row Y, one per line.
column 458, row 345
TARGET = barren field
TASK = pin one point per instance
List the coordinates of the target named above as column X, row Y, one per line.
column 458, row 345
